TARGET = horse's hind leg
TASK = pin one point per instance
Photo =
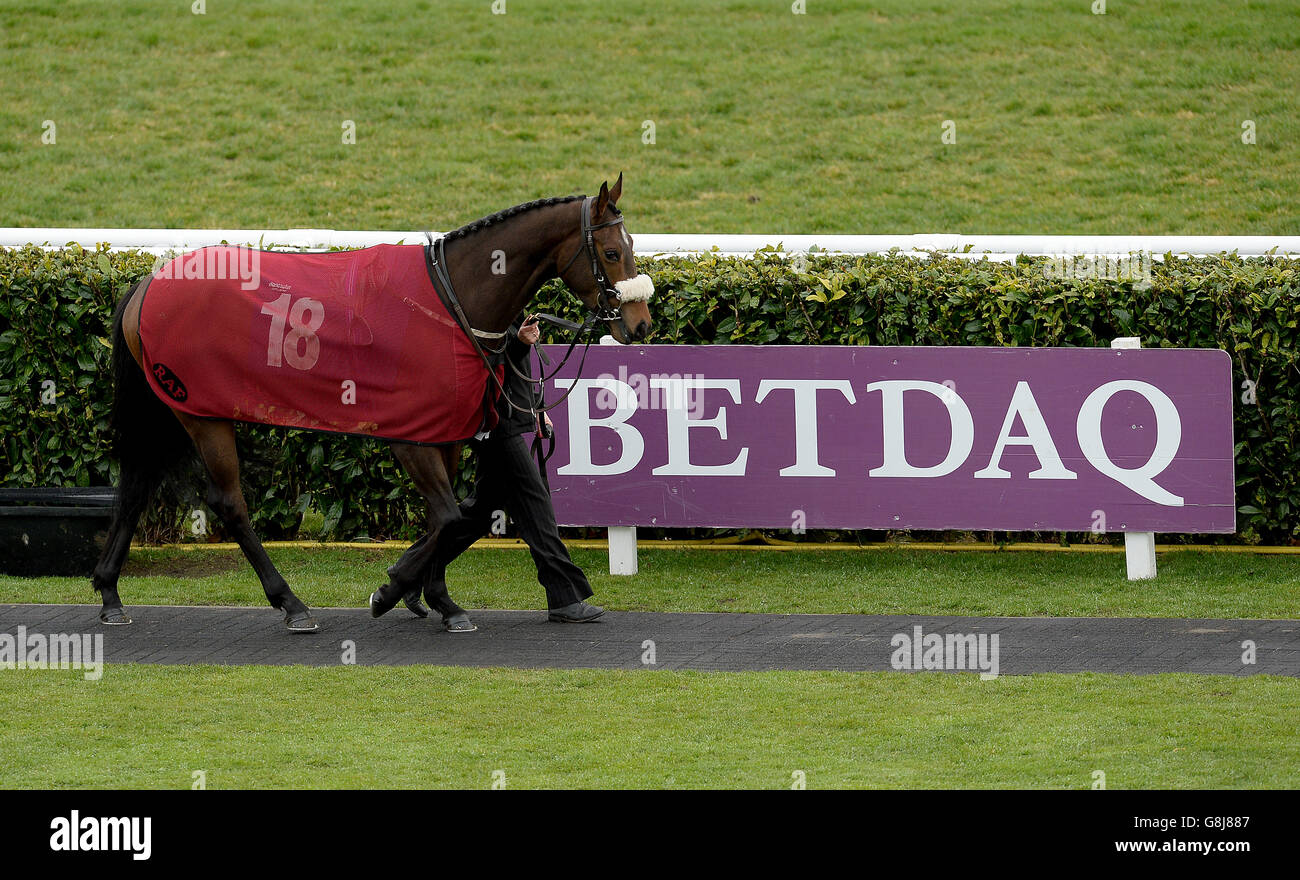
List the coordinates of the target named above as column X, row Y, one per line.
column 216, row 444
column 147, row 442
column 136, row 486
column 431, row 469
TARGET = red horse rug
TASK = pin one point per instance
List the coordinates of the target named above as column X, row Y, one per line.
column 354, row 342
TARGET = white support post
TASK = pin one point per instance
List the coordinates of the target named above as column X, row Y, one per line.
column 1140, row 555
column 622, row 550
column 1139, row 547
column 622, row 539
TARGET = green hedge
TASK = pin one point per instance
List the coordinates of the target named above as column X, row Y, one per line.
column 55, row 308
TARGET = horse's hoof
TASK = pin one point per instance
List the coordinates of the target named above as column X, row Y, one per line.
column 459, row 623
column 379, row 607
column 114, row 617
column 412, row 601
column 301, row 622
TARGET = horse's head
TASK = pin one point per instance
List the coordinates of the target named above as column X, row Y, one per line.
column 602, row 271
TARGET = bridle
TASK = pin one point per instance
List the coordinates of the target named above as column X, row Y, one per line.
column 435, row 253
column 605, row 291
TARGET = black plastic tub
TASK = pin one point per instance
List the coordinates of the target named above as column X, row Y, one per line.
column 50, row 531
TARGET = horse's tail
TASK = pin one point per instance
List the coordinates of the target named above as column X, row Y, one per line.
column 148, row 441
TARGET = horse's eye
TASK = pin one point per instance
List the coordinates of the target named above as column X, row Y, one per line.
column 611, row 255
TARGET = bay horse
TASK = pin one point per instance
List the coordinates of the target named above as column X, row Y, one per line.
column 486, row 273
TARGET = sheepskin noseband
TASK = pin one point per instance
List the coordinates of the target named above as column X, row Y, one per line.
column 638, row 289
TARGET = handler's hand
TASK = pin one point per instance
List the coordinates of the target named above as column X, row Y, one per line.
column 529, row 332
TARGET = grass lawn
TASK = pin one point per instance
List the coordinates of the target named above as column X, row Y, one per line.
column 143, row 726
column 887, row 581
column 764, row 121
column 253, row 726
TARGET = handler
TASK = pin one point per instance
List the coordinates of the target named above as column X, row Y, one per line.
column 509, row 479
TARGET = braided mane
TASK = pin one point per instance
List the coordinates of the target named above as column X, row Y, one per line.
column 500, row 216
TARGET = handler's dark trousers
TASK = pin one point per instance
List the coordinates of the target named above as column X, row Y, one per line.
column 508, row 479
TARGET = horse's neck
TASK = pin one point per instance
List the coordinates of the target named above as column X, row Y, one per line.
column 496, row 271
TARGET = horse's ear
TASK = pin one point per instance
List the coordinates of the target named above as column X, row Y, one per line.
column 617, row 190
column 602, row 200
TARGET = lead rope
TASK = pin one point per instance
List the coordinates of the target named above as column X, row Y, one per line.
column 585, row 329
column 543, row 458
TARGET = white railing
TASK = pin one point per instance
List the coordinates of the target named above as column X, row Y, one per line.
column 647, row 245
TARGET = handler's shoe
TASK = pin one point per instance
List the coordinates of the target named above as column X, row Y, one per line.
column 578, row 612
column 412, row 601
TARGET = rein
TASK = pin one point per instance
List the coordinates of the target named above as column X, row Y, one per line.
column 436, row 257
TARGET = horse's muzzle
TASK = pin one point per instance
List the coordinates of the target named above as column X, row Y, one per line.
column 628, row 333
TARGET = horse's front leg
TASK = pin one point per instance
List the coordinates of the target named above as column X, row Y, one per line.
column 216, row 444
column 433, row 591
column 431, row 469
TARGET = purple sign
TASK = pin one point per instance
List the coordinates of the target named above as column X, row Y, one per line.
column 1054, row 439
